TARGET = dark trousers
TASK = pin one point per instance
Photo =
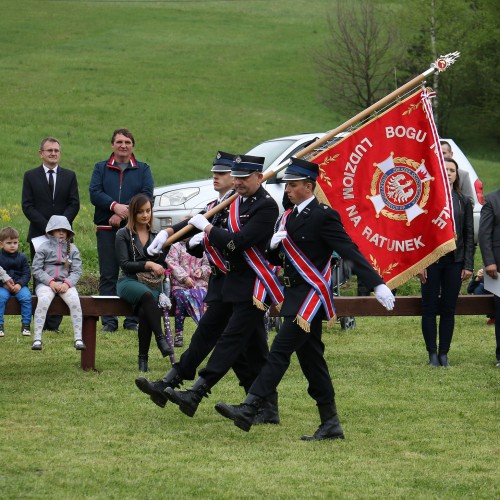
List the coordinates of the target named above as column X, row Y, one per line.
column 244, row 335
column 208, row 331
column 108, row 274
column 51, row 322
column 497, row 325
column 310, row 353
column 439, row 297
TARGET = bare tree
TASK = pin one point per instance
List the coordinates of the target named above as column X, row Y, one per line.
column 357, row 65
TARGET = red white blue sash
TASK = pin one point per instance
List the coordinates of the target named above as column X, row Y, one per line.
column 266, row 280
column 321, row 292
column 213, row 254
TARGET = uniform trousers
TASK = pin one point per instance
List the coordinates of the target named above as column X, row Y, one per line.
column 243, row 339
column 310, row 353
column 209, row 330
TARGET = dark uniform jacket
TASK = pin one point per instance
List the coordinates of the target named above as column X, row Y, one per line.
column 257, row 217
column 37, row 203
column 489, row 229
column 317, row 231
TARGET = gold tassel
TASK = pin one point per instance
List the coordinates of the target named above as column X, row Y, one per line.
column 260, row 305
column 331, row 321
column 303, row 323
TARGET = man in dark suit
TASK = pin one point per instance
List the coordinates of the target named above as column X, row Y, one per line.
column 246, row 231
column 303, row 245
column 489, row 243
column 49, row 190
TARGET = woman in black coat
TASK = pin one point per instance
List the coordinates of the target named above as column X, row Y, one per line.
column 442, row 280
column 131, row 245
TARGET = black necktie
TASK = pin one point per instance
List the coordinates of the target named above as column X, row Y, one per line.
column 51, row 183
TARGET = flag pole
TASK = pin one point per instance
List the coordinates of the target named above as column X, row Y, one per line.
column 440, row 65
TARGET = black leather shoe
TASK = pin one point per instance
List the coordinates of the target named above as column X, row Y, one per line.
column 188, row 401
column 109, row 328
column 443, row 360
column 154, row 390
column 433, row 359
column 330, row 429
column 242, row 415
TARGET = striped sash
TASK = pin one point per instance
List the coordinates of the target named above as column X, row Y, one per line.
column 320, row 294
column 266, row 280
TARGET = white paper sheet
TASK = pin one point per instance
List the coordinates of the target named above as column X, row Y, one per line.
column 493, row 286
column 38, row 241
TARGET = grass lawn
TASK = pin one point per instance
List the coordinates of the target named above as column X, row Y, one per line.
column 411, row 431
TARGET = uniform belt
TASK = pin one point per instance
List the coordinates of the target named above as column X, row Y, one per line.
column 215, row 270
column 296, row 280
column 238, row 266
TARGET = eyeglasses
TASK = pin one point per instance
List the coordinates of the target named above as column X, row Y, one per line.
column 51, row 150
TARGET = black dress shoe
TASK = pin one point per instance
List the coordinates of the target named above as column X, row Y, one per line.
column 433, row 359
column 443, row 360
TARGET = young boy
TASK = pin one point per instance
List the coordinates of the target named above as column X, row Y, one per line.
column 15, row 264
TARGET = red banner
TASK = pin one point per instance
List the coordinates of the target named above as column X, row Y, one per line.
column 388, row 182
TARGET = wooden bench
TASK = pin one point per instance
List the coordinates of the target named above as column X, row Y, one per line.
column 93, row 308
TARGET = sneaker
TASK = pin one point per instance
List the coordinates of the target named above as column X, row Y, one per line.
column 25, row 330
column 2, row 333
column 109, row 328
column 178, row 341
column 79, row 345
column 37, row 345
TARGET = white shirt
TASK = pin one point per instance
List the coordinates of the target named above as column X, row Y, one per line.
column 304, row 204
column 54, row 175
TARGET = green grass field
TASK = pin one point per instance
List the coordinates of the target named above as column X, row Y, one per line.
column 190, row 78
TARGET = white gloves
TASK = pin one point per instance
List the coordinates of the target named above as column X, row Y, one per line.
column 199, row 222
column 157, row 244
column 277, row 238
column 196, row 240
column 384, row 295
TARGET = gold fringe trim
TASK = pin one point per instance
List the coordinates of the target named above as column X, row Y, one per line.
column 331, row 322
column 260, row 305
column 303, row 323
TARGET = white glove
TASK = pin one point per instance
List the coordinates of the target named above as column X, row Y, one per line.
column 199, row 222
column 384, row 295
column 277, row 238
column 196, row 240
column 157, row 244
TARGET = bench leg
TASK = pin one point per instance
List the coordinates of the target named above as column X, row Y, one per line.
column 89, row 338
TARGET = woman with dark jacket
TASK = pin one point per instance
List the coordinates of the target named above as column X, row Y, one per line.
column 131, row 246
column 442, row 280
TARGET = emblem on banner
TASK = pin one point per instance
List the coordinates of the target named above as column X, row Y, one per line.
column 400, row 189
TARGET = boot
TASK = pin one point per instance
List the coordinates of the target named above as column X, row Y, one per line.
column 329, row 427
column 242, row 415
column 433, row 359
column 156, row 390
column 443, row 360
column 268, row 412
column 179, row 340
column 189, row 400
column 143, row 363
column 161, row 342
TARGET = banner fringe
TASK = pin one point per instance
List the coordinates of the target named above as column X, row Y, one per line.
column 260, row 305
column 303, row 323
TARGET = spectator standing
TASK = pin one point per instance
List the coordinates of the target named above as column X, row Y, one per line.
column 189, row 286
column 113, row 184
column 57, row 267
column 16, row 265
column 303, row 245
column 464, row 185
column 132, row 242
column 49, row 190
column 441, row 281
column 489, row 243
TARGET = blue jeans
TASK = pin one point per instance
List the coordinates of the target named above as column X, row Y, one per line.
column 439, row 297
column 23, row 297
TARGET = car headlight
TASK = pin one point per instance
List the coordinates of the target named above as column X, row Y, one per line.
column 177, row 197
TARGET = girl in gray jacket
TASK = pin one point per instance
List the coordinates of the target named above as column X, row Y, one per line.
column 57, row 267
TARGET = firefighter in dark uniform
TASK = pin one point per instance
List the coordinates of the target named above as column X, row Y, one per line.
column 303, row 245
column 243, row 235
